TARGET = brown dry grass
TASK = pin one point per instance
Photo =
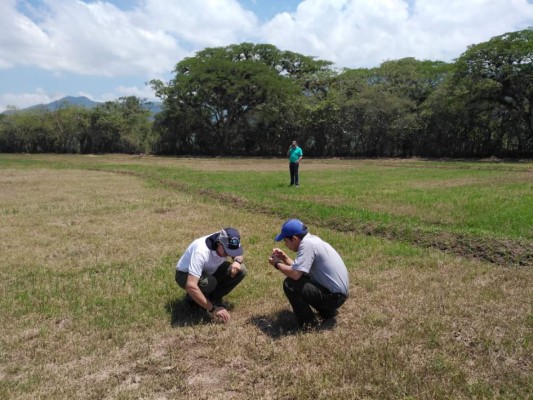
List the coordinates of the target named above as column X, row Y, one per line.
column 419, row 324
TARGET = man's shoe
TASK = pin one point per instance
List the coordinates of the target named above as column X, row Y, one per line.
column 328, row 314
column 309, row 326
column 222, row 303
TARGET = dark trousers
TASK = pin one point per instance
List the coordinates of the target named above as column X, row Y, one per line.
column 217, row 285
column 304, row 294
column 293, row 169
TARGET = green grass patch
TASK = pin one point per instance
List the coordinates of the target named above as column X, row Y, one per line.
column 90, row 308
column 478, row 210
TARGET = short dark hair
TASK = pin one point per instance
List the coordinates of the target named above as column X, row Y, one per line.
column 305, row 232
column 301, row 235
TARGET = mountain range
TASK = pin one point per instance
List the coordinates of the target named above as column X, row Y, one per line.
column 80, row 101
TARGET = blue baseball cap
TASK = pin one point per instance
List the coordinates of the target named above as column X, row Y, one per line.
column 291, row 228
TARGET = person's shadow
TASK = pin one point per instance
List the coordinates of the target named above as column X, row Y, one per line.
column 185, row 313
column 283, row 323
column 277, row 325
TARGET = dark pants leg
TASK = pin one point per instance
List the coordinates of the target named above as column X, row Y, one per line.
column 217, row 285
column 206, row 283
column 304, row 294
column 293, row 169
column 225, row 283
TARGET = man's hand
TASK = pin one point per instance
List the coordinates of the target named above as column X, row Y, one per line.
column 273, row 260
column 235, row 267
column 221, row 314
column 281, row 256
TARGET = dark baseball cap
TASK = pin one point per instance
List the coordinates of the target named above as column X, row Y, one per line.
column 291, row 228
column 231, row 241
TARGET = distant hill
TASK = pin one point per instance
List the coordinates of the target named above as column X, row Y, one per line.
column 81, row 101
column 154, row 107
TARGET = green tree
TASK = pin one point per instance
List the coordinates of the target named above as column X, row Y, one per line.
column 136, row 130
column 380, row 107
column 222, row 86
column 495, row 80
column 117, row 126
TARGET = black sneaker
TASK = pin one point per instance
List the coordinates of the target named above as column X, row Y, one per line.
column 328, row 314
column 309, row 326
column 222, row 303
column 328, row 324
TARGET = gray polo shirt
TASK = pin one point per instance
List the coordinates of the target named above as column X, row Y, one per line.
column 322, row 263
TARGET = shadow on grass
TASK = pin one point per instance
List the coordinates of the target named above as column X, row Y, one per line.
column 183, row 313
column 284, row 323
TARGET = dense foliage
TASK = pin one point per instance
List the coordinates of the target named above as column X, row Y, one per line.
column 253, row 99
column 121, row 126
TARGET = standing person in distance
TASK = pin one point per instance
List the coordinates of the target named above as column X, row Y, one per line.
column 316, row 279
column 204, row 272
column 295, row 155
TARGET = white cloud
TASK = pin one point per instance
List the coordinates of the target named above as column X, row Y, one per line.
column 363, row 33
column 20, row 36
column 349, row 33
column 86, row 38
column 97, row 39
column 199, row 23
column 20, row 101
column 446, row 29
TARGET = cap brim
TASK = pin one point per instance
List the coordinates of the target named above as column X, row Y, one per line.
column 233, row 253
column 280, row 237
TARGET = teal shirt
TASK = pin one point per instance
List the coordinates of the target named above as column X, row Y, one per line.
column 295, row 154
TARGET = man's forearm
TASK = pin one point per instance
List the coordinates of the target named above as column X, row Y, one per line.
column 288, row 271
column 197, row 295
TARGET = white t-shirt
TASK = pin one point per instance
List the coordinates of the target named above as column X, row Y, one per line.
column 199, row 259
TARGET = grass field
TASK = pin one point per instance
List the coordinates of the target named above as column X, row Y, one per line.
column 439, row 254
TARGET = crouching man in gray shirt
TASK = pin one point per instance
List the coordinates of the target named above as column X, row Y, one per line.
column 316, row 279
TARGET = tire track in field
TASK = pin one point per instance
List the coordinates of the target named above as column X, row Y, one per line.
column 503, row 252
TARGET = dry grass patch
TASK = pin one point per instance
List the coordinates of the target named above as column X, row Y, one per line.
column 65, row 217
column 76, row 248
column 90, row 310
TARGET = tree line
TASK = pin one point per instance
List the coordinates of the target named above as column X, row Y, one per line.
column 253, row 99
column 120, row 126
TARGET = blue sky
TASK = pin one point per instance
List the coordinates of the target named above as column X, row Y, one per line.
column 105, row 49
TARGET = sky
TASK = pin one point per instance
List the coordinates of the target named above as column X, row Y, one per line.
column 106, row 49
